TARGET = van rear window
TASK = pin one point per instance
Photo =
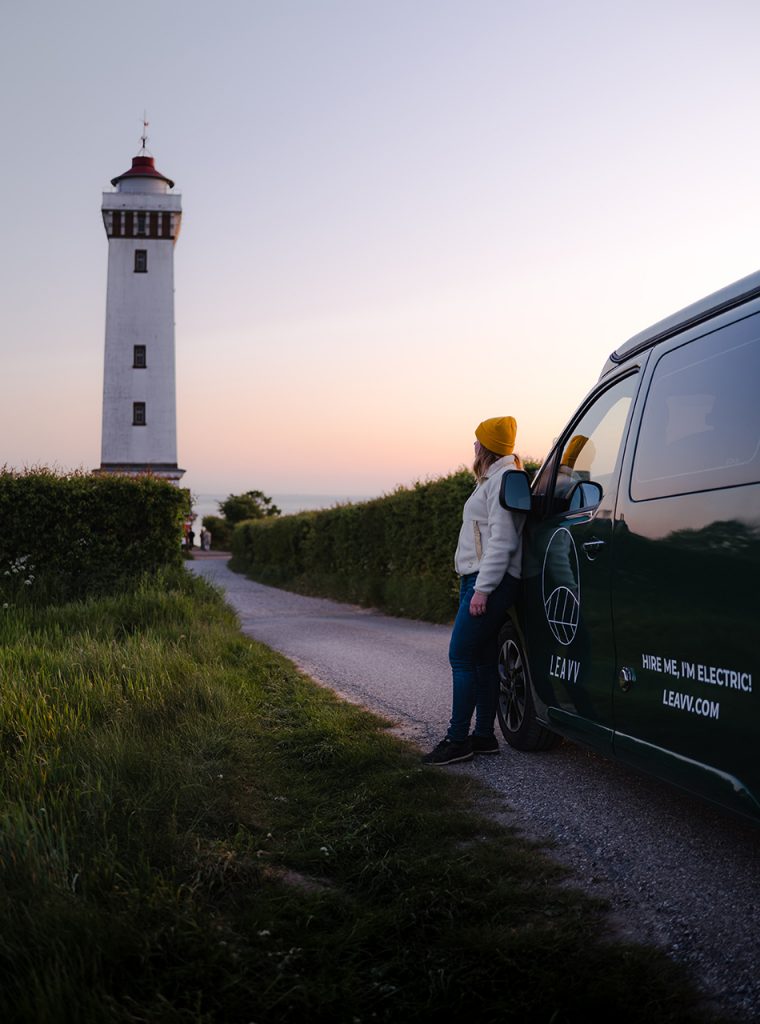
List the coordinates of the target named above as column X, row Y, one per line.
column 700, row 428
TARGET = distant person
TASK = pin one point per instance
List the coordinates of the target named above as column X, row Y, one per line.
column 190, row 539
column 487, row 559
column 205, row 539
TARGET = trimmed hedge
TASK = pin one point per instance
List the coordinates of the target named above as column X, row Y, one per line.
column 69, row 536
column 395, row 553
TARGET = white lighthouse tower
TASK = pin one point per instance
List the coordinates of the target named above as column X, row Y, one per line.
column 142, row 220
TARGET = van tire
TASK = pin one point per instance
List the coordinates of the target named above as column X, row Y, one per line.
column 515, row 709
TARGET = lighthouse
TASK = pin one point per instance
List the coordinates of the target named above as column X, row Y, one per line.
column 142, row 220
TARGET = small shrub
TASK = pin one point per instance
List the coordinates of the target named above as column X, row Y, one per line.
column 250, row 505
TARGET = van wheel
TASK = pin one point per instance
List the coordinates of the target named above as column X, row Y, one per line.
column 516, row 711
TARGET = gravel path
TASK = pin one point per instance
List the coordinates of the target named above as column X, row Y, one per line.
column 676, row 872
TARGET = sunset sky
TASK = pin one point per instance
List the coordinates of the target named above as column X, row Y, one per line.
column 400, row 218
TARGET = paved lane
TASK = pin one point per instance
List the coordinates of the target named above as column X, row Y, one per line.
column 397, row 667
column 676, row 872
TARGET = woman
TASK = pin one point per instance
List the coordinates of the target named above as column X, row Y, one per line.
column 488, row 560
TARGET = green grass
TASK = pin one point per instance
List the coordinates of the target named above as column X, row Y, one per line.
column 191, row 831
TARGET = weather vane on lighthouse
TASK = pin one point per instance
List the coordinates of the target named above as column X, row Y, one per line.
column 143, row 136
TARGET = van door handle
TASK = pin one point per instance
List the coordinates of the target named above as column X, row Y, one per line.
column 592, row 548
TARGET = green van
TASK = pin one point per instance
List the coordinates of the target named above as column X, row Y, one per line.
column 638, row 629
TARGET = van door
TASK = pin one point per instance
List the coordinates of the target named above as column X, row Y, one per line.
column 686, row 600
column 567, row 565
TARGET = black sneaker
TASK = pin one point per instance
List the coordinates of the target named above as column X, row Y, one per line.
column 449, row 752
column 484, row 744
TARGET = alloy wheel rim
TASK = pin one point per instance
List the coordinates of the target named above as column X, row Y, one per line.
column 511, row 686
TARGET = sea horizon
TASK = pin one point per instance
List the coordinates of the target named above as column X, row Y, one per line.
column 207, row 504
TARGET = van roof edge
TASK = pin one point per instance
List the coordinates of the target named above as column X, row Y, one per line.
column 718, row 302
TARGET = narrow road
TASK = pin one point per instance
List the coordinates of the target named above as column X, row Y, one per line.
column 676, row 872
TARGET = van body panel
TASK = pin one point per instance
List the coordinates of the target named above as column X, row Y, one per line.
column 569, row 618
column 686, row 607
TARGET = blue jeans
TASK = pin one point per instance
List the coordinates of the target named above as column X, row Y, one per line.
column 473, row 656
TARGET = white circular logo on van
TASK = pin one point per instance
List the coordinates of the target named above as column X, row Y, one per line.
column 561, row 586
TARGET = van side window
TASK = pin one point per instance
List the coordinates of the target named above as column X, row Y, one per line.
column 700, row 428
column 591, row 448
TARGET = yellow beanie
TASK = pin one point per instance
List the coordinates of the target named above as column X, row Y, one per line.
column 498, row 434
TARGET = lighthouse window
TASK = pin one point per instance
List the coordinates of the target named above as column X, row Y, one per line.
column 141, row 261
column 138, row 414
column 140, row 361
column 141, row 222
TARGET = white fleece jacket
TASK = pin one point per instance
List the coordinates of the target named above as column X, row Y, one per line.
column 490, row 541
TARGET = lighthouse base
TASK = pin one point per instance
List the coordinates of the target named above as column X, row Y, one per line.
column 161, row 469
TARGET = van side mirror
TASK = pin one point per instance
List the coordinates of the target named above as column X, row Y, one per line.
column 585, row 494
column 514, row 491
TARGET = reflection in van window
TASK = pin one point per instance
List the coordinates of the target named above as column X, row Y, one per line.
column 591, row 449
column 701, row 423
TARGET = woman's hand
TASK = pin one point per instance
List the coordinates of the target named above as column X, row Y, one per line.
column 478, row 603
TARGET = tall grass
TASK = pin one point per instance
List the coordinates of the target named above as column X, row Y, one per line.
column 190, row 831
